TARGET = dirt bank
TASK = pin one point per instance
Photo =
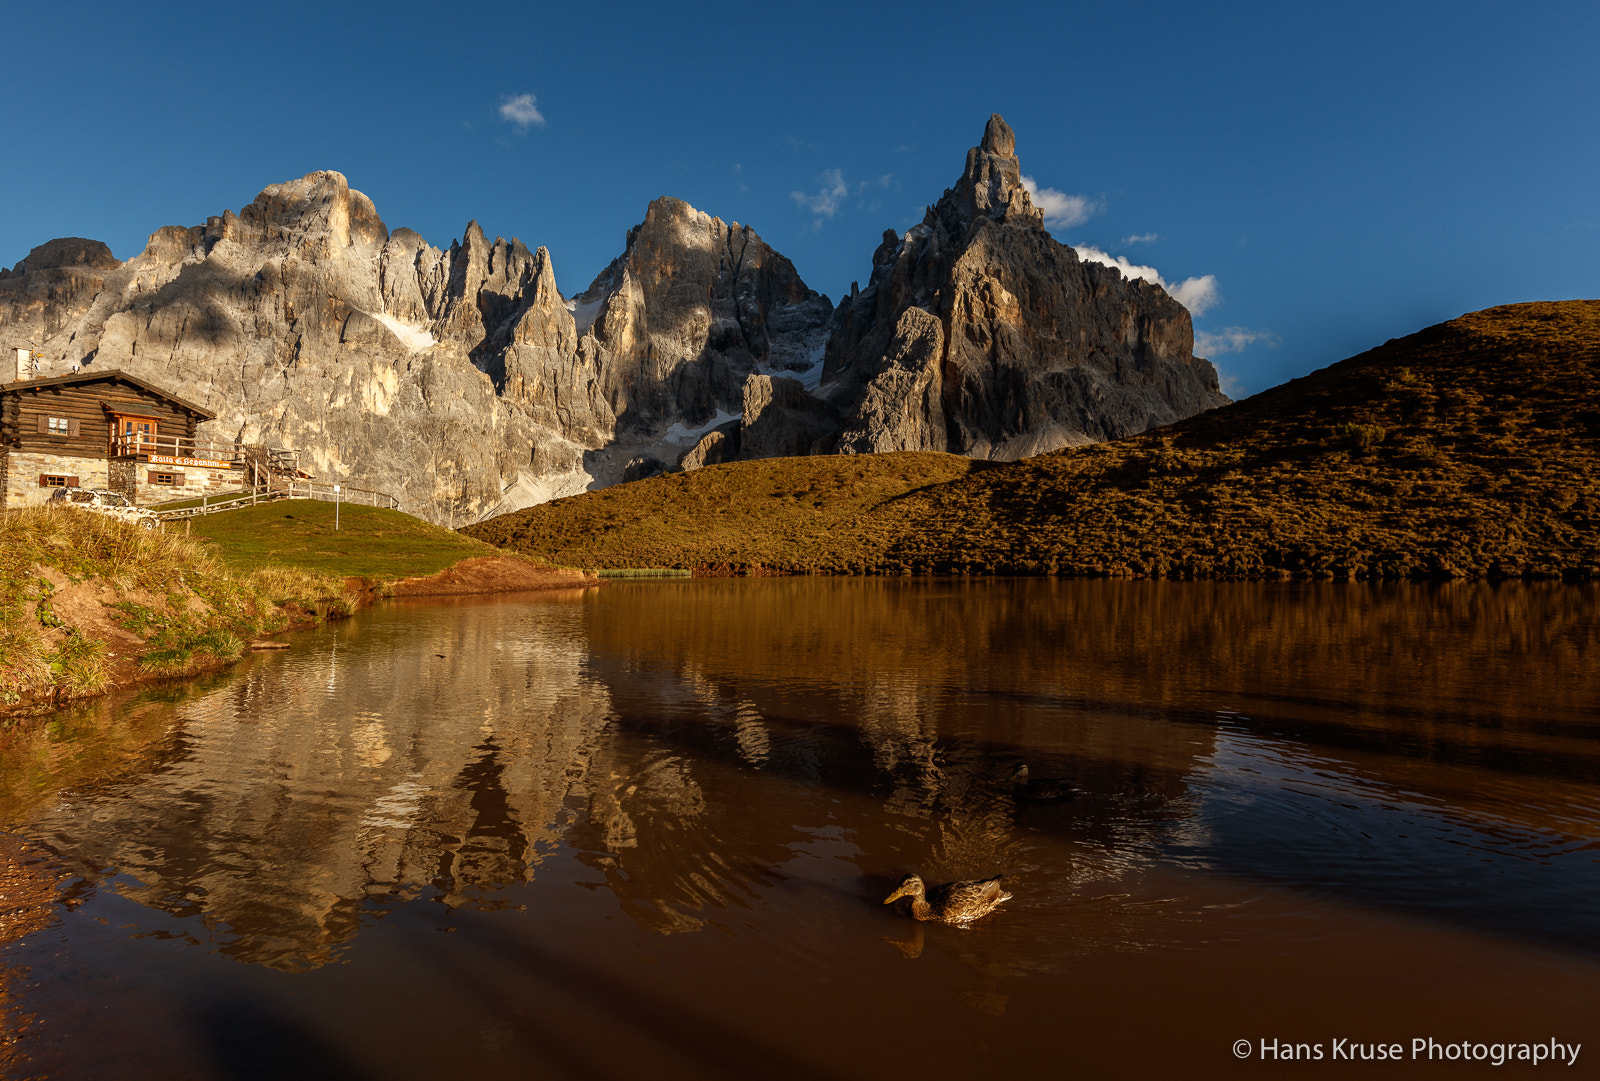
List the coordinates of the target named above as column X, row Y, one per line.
column 492, row 574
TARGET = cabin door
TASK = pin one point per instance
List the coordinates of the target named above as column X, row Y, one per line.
column 140, row 435
column 132, row 435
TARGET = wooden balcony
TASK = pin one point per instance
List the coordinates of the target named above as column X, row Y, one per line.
column 179, row 451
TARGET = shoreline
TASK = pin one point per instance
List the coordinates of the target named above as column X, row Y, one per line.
column 479, row 575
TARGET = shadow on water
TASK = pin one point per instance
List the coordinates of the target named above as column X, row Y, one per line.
column 678, row 1030
column 1416, row 725
column 246, row 1041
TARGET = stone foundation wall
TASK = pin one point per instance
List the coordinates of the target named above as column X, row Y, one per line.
column 197, row 482
column 21, row 476
column 120, row 474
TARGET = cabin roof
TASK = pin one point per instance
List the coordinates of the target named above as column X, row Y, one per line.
column 108, row 375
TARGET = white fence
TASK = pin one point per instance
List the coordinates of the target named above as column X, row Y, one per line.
column 299, row 489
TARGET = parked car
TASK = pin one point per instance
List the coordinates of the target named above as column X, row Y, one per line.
column 105, row 501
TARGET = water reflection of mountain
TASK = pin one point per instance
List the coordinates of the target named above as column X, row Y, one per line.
column 706, row 747
column 1432, row 672
column 31, row 899
column 418, row 753
column 892, row 712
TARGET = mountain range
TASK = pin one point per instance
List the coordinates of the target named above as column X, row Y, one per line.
column 465, row 382
column 1470, row 449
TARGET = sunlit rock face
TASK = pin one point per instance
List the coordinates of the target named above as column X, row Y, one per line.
column 459, row 380
column 462, row 381
column 979, row 334
column 669, row 335
column 303, row 323
column 385, row 782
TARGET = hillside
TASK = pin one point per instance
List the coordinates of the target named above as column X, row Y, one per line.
column 1469, row 449
column 790, row 514
column 89, row 603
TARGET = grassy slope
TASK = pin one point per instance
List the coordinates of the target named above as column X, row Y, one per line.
column 785, row 513
column 87, row 601
column 370, row 543
column 74, row 584
column 1471, row 448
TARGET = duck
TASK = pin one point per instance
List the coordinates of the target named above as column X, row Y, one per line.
column 1041, row 789
column 953, row 902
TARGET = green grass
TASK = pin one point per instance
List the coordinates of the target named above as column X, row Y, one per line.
column 192, row 609
column 370, row 542
column 1470, row 449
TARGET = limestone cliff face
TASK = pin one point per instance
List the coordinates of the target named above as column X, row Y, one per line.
column 47, row 290
column 464, row 382
column 979, row 334
column 303, row 323
column 456, row 379
column 676, row 326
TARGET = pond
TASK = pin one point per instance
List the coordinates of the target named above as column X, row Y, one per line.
column 646, row 830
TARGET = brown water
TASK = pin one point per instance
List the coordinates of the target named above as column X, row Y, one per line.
column 643, row 831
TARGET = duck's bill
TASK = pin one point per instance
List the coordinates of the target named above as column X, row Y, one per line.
column 895, row 896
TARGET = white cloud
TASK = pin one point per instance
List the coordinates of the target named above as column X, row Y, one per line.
column 1061, row 211
column 1141, row 238
column 523, row 111
column 1213, row 343
column 827, row 199
column 1197, row 294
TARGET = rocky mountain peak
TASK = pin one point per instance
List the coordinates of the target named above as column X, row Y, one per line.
column 63, row 252
column 463, row 381
column 979, row 334
column 998, row 138
column 318, row 215
column 990, row 187
column 692, row 308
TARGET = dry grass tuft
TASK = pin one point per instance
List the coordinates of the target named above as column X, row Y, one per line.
column 195, row 610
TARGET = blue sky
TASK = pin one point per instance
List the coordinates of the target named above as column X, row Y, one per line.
column 1344, row 173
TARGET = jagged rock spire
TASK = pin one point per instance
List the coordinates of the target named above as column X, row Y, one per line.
column 998, row 138
column 991, row 186
column 979, row 334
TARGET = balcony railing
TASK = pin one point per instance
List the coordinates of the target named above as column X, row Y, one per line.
column 143, row 444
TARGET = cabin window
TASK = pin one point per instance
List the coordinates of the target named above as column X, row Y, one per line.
column 174, row 479
column 57, row 426
column 57, row 480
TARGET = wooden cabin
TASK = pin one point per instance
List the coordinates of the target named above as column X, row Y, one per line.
column 108, row 429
